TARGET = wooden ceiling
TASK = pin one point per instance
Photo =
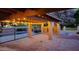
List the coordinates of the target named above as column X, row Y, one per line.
column 5, row 13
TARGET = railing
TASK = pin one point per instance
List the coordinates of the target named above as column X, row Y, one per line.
column 10, row 34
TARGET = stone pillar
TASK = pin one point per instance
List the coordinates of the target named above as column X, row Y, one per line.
column 59, row 28
column 42, row 27
column 50, row 30
column 56, row 28
column 30, row 29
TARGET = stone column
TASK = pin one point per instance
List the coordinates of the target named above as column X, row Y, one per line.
column 42, row 27
column 58, row 28
column 50, row 30
column 30, row 29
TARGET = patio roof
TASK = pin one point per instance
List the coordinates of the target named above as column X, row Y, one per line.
column 5, row 13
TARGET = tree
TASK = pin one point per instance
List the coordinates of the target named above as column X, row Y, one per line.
column 76, row 16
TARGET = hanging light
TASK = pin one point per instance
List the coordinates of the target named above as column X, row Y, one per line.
column 24, row 18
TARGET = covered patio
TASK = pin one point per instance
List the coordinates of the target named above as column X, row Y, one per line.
column 50, row 36
column 29, row 17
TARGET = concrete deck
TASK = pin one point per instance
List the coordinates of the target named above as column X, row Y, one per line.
column 40, row 42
